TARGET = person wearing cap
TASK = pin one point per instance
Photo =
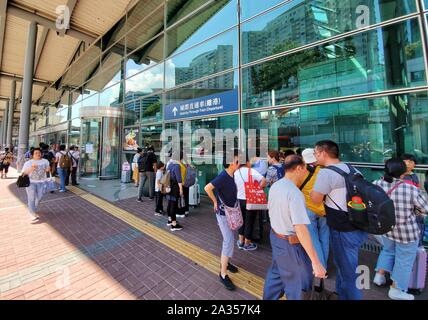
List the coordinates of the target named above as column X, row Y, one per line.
column 319, row 230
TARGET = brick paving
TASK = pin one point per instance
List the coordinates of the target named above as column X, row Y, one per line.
column 78, row 251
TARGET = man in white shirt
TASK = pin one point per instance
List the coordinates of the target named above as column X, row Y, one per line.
column 245, row 232
column 294, row 258
column 75, row 158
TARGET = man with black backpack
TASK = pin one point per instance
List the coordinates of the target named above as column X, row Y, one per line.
column 346, row 239
column 147, row 166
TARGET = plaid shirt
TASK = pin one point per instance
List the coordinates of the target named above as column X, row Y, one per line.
column 409, row 201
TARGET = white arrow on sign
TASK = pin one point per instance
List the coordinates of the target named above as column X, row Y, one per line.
column 175, row 110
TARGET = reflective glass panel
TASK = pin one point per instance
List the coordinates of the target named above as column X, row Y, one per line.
column 151, row 109
column 386, row 58
column 210, row 21
column 207, row 87
column 369, row 130
column 250, row 8
column 113, row 96
column 151, row 136
column 301, row 22
column 216, row 55
column 144, row 83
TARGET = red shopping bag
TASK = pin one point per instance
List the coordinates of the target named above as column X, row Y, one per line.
column 256, row 197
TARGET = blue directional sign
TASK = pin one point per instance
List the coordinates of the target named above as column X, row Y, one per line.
column 203, row 106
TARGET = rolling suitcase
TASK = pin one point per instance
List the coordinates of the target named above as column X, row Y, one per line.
column 126, row 177
column 418, row 277
column 195, row 195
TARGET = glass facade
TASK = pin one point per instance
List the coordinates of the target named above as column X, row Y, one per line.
column 350, row 70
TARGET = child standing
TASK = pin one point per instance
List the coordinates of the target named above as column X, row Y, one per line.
column 158, row 189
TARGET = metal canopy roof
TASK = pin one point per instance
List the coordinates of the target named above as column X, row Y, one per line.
column 90, row 19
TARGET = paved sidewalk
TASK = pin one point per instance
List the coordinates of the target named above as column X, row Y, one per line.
column 88, row 248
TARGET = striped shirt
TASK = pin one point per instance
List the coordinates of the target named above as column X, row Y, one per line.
column 409, row 201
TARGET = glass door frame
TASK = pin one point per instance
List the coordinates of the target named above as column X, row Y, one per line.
column 83, row 146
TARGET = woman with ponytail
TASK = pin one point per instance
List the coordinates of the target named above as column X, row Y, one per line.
column 401, row 244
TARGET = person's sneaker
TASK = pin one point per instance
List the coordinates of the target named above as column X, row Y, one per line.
column 379, row 280
column 187, row 213
column 177, row 227
column 158, row 214
column 35, row 219
column 240, row 245
column 250, row 247
column 232, row 268
column 62, row 191
column 397, row 294
column 169, row 224
column 228, row 284
column 181, row 216
column 139, row 200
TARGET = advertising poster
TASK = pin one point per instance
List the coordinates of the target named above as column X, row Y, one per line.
column 131, row 137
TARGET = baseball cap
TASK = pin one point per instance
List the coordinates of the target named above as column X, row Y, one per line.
column 309, row 156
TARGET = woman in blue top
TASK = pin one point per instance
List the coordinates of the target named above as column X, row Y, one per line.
column 226, row 194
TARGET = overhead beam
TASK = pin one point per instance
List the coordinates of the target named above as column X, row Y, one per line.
column 70, row 5
column 3, row 11
column 40, row 47
column 38, row 82
column 50, row 24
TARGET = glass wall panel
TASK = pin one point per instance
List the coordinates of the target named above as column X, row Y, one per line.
column 250, row 8
column 386, row 58
column 75, row 110
column 148, row 28
column 133, row 67
column 110, row 148
column 92, row 101
column 370, row 130
column 144, row 83
column 218, row 17
column 151, row 109
column 151, row 51
column 151, row 137
column 204, row 88
column 216, row 55
column 142, row 11
column 112, row 96
column 302, row 22
column 211, row 165
column 74, row 134
column 178, row 9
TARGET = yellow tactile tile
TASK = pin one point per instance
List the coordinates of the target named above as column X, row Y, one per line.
column 245, row 280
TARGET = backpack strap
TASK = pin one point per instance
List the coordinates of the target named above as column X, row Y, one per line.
column 311, row 174
column 395, row 188
column 339, row 171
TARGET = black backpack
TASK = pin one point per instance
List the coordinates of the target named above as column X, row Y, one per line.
column 376, row 213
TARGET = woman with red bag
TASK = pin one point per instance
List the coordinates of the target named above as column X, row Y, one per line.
column 249, row 181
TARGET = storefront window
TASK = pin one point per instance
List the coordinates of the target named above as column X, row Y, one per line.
column 216, row 55
column 386, row 58
column 368, row 131
column 218, row 17
column 298, row 23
